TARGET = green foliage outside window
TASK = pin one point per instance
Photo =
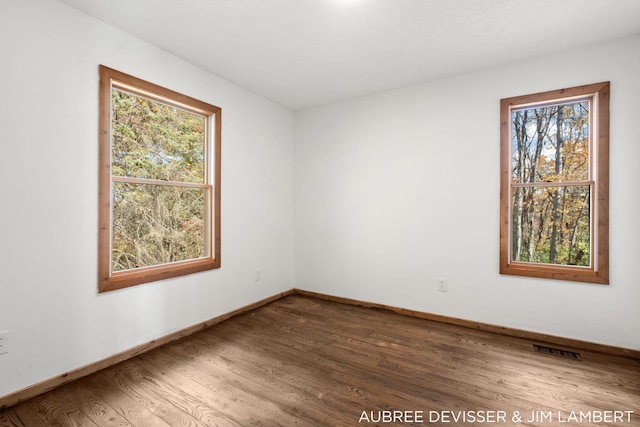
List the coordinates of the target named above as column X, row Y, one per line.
column 155, row 223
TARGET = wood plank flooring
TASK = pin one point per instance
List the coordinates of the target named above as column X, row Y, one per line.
column 302, row 361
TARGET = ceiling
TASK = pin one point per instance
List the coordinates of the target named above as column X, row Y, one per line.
column 304, row 53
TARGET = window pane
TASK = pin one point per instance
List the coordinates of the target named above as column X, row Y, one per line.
column 551, row 225
column 156, row 141
column 550, row 144
column 156, row 224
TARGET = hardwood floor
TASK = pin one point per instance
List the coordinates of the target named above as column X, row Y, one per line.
column 302, row 361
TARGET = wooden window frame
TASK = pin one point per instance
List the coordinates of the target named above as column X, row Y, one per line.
column 598, row 271
column 107, row 279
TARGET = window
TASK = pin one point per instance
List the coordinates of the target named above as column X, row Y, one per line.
column 554, row 184
column 159, row 213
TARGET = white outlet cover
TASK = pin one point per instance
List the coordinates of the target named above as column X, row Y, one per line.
column 4, row 344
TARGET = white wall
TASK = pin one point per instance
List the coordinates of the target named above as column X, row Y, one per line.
column 395, row 189
column 48, row 214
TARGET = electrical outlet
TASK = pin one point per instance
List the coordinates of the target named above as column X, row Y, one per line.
column 442, row 284
column 258, row 276
column 4, row 342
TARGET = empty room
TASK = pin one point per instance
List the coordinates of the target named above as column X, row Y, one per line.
column 320, row 213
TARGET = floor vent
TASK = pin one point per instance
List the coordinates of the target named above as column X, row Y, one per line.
column 557, row 352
